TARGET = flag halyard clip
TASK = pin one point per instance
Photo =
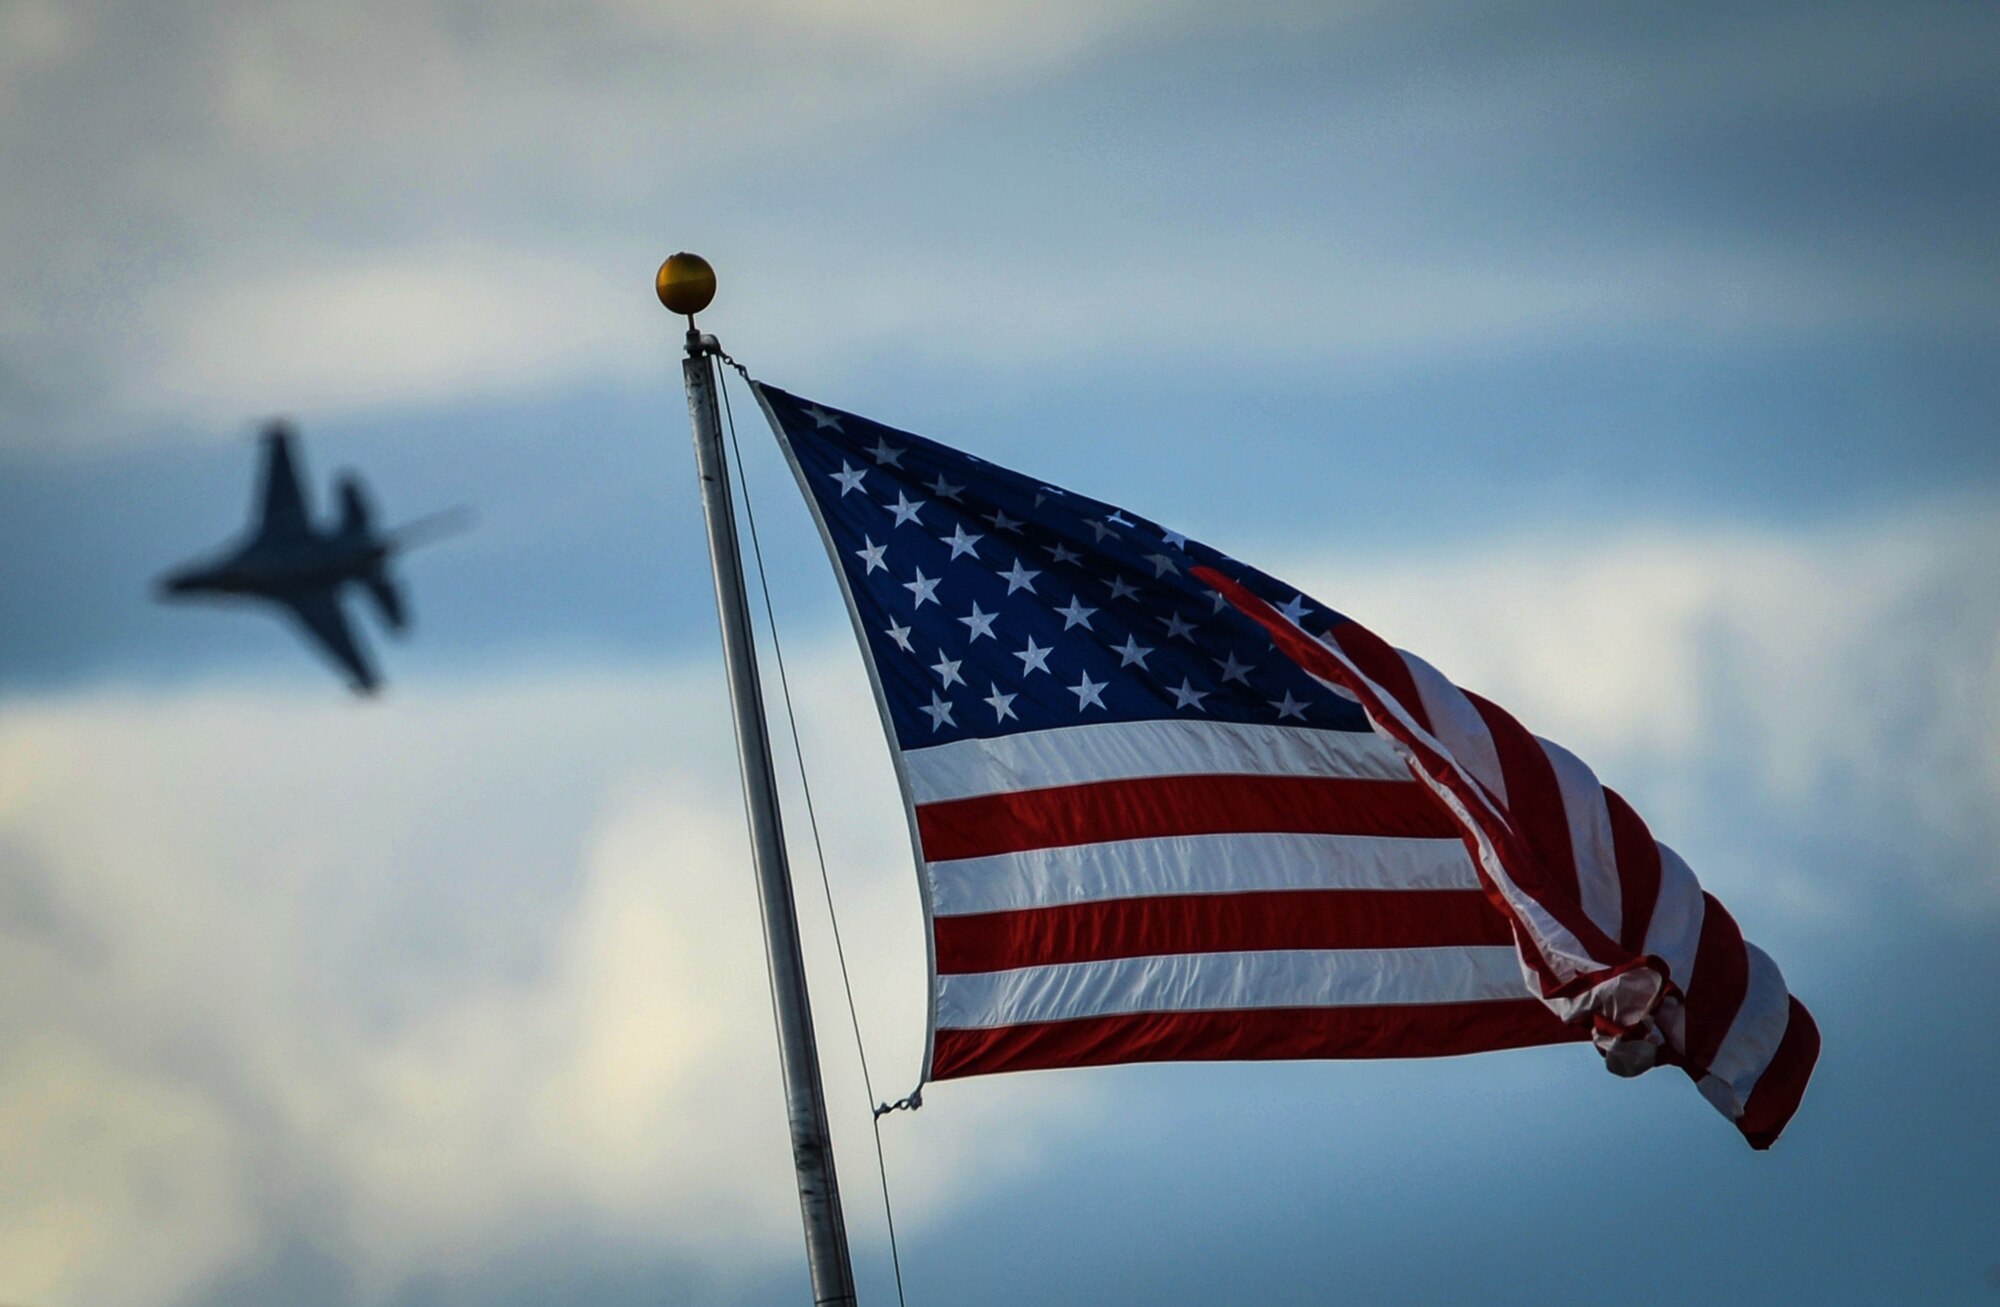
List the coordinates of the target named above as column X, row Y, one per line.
column 909, row 1103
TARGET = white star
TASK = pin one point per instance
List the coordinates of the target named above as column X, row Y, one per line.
column 1131, row 652
column 939, row 711
column 1020, row 578
column 849, row 478
column 901, row 635
column 1100, row 530
column 886, row 455
column 1076, row 614
column 1002, row 704
column 1087, row 692
column 947, row 670
column 1296, row 610
column 1118, row 518
column 1062, row 554
column 904, row 510
column 980, row 623
column 821, row 418
column 961, row 543
column 1176, row 627
column 1174, row 538
column 1289, row 708
column 1122, row 589
column 1162, row 565
column 944, row 489
column 1034, row 658
column 872, row 555
column 924, row 588
column 1188, row 697
column 1050, row 490
column 1002, row 522
column 1218, row 601
column 1233, row 670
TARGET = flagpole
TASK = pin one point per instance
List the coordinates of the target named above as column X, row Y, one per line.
column 686, row 284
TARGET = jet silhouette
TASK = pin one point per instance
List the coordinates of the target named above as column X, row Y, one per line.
column 284, row 560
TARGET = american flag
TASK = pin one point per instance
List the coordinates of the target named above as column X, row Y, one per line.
column 1167, row 807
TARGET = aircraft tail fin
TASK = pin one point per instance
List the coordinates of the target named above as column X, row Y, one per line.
column 355, row 516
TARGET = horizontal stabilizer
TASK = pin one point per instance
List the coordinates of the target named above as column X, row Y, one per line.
column 450, row 522
column 388, row 598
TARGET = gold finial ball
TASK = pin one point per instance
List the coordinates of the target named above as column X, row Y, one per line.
column 686, row 283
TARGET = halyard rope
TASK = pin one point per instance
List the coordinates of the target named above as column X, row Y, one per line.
column 812, row 821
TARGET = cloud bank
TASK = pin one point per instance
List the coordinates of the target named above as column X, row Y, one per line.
column 1836, row 687
column 254, row 205
column 229, row 209
column 474, row 974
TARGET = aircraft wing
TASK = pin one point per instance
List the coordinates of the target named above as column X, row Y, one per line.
column 319, row 612
column 283, row 512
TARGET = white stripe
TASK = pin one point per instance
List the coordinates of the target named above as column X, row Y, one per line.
column 1563, row 953
column 1589, row 837
column 1675, row 931
column 1458, row 725
column 1075, row 755
column 1202, row 982
column 1196, row 864
column 1755, row 1033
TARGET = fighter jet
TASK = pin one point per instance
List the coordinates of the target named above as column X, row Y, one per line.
column 285, row 560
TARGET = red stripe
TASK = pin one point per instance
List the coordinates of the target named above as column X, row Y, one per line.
column 1217, row 923
column 1154, row 807
column 1721, row 968
column 1638, row 859
column 1428, row 1030
column 1537, row 852
column 1322, row 662
column 1715, row 992
column 1380, row 663
column 1534, row 797
column 1783, row 1083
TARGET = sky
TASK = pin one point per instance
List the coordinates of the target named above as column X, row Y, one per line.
column 1638, row 367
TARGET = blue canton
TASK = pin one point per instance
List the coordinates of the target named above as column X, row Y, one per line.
column 993, row 603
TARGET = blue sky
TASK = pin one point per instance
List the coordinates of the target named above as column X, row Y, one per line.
column 1637, row 368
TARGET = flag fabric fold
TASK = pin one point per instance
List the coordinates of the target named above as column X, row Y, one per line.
column 1165, row 807
column 1612, row 926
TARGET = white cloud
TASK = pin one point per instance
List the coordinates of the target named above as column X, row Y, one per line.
column 385, row 202
column 33, row 34
column 234, row 208
column 448, row 322
column 120, row 1186
column 445, row 975
column 433, row 978
column 1840, row 678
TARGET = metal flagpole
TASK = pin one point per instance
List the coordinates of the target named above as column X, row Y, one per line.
column 686, row 284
